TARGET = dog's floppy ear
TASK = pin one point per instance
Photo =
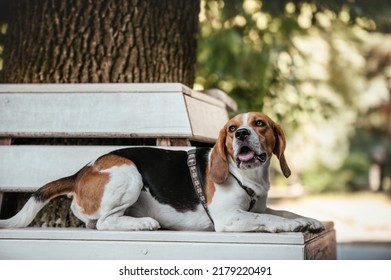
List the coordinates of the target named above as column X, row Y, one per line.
column 218, row 160
column 279, row 149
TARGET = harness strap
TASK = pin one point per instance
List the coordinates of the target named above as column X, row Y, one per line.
column 192, row 164
column 250, row 192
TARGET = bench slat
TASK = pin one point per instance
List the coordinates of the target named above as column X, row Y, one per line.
column 94, row 115
column 26, row 168
column 94, row 88
column 119, row 250
column 111, row 88
column 205, row 118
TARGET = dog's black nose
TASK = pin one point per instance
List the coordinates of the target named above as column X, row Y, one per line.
column 242, row 133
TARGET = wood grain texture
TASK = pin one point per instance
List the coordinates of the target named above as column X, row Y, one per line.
column 322, row 247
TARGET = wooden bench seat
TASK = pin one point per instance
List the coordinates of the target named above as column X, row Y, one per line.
column 71, row 243
column 170, row 113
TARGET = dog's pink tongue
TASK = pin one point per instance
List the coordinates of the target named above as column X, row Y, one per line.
column 246, row 156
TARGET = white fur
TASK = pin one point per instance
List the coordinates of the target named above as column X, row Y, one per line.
column 230, row 201
column 257, row 178
column 122, row 190
column 252, row 141
column 229, row 210
column 169, row 217
column 25, row 216
column 245, row 118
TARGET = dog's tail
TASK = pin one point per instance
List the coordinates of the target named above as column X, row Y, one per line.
column 38, row 200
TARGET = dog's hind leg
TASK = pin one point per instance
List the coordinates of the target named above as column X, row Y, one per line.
column 77, row 211
column 110, row 186
column 121, row 192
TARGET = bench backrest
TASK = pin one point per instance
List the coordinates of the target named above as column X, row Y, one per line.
column 94, row 110
column 109, row 110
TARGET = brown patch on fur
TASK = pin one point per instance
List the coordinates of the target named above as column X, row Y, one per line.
column 56, row 188
column 272, row 138
column 108, row 161
column 218, row 160
column 279, row 150
column 265, row 133
column 89, row 190
column 210, row 187
column 92, row 181
column 235, row 121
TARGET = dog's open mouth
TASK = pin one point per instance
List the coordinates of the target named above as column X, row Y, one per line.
column 246, row 154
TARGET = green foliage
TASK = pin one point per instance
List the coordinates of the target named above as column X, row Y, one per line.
column 247, row 49
column 351, row 176
column 303, row 63
column 236, row 48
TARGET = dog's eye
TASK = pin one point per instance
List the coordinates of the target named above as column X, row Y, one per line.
column 232, row 128
column 259, row 123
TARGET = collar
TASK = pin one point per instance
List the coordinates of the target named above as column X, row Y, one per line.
column 261, row 186
column 192, row 164
column 250, row 192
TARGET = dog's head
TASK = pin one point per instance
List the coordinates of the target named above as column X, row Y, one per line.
column 250, row 140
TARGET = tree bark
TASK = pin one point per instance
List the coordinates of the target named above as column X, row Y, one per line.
column 82, row 41
column 86, row 41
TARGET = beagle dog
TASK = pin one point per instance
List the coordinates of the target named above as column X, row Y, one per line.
column 224, row 189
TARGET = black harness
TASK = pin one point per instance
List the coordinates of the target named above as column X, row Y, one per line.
column 192, row 164
column 195, row 178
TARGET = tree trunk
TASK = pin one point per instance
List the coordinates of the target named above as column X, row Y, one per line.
column 81, row 41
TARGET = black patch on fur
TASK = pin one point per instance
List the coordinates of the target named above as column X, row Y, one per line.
column 166, row 175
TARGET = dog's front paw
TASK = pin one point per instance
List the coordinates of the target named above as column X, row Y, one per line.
column 312, row 225
column 286, row 226
column 148, row 224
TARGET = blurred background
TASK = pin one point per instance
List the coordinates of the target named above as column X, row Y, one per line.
column 322, row 69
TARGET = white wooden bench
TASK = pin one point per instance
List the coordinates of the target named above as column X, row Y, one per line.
column 170, row 113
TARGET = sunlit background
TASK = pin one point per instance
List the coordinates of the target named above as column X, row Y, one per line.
column 323, row 71
column 318, row 71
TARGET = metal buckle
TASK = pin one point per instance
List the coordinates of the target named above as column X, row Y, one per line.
column 191, row 160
